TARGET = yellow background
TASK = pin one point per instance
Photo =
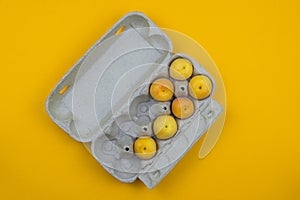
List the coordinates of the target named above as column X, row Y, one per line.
column 256, row 46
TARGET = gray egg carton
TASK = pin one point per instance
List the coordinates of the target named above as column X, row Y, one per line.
column 104, row 101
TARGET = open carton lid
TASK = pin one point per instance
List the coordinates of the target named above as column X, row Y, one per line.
column 94, row 76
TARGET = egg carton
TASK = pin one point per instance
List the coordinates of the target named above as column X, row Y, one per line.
column 104, row 101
